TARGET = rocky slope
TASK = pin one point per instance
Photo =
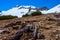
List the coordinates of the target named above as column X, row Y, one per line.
column 43, row 27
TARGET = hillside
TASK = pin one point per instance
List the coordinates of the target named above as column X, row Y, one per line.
column 43, row 27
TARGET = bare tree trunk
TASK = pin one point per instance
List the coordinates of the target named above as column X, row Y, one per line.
column 26, row 28
column 20, row 33
column 35, row 32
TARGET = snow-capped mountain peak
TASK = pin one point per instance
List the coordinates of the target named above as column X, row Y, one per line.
column 21, row 10
column 18, row 10
column 55, row 9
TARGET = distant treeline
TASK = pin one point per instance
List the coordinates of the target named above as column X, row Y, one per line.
column 4, row 17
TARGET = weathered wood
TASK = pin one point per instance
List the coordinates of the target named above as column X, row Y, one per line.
column 28, row 29
column 20, row 33
column 35, row 32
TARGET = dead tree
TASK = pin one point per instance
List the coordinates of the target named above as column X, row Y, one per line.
column 20, row 33
column 35, row 32
column 28, row 29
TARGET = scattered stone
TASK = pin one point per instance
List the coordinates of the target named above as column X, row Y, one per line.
column 57, row 15
column 18, row 23
column 1, row 31
column 5, row 32
column 42, row 36
column 15, row 27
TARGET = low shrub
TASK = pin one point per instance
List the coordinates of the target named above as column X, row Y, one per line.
column 7, row 17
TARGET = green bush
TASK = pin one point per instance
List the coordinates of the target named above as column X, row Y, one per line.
column 25, row 15
column 36, row 13
column 32, row 14
column 7, row 17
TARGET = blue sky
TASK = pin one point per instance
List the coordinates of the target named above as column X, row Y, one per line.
column 7, row 4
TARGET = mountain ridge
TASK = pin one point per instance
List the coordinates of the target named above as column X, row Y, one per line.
column 21, row 10
column 55, row 9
